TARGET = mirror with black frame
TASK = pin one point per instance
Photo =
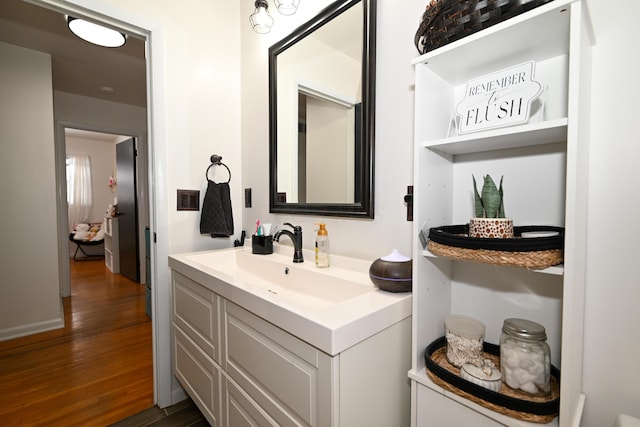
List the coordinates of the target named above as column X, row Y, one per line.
column 322, row 115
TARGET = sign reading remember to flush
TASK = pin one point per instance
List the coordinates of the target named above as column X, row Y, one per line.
column 498, row 99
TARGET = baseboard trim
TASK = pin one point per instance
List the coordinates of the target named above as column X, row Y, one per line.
column 30, row 329
column 178, row 395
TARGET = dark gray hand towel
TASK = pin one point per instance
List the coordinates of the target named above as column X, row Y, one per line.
column 217, row 216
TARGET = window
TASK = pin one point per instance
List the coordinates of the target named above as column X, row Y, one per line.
column 79, row 189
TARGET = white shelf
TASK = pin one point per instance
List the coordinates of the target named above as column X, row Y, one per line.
column 544, row 166
column 536, row 35
column 511, row 137
column 111, row 245
column 421, row 378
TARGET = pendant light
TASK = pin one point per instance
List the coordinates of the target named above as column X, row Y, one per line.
column 94, row 33
column 260, row 19
column 287, row 7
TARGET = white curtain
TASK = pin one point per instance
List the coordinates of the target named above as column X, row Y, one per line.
column 79, row 194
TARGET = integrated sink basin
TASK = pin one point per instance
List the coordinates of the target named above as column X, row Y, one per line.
column 276, row 274
column 331, row 308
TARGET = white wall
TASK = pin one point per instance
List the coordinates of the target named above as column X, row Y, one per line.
column 366, row 239
column 29, row 300
column 612, row 321
column 96, row 114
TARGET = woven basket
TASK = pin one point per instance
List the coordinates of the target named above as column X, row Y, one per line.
column 536, row 253
column 445, row 21
column 509, row 402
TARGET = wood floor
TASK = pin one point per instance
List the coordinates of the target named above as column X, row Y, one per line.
column 95, row 371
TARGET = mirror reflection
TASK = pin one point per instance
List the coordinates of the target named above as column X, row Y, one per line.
column 321, row 110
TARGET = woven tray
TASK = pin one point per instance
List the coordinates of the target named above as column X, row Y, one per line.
column 452, row 241
column 509, row 402
column 445, row 21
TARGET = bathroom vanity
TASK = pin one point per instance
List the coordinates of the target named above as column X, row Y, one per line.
column 259, row 340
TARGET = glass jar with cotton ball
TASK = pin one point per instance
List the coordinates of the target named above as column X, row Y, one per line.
column 525, row 357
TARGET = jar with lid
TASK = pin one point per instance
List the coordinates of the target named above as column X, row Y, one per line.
column 464, row 336
column 525, row 358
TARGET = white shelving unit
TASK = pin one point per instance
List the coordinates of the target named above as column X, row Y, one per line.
column 111, row 245
column 544, row 164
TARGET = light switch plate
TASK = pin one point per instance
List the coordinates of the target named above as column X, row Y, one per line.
column 247, row 197
column 188, row 200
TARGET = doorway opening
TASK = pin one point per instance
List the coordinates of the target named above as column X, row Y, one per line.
column 111, row 179
column 117, row 189
column 148, row 29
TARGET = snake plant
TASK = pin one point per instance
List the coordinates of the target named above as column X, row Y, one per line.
column 490, row 204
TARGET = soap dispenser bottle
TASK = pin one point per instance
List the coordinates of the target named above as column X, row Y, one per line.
column 322, row 247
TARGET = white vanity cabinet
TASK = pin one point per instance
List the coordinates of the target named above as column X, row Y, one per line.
column 241, row 410
column 242, row 370
column 196, row 344
column 288, row 378
column 545, row 167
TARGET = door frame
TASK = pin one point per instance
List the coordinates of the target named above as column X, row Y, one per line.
column 141, row 190
column 153, row 32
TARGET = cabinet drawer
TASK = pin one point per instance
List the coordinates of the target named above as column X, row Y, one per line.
column 241, row 411
column 195, row 311
column 436, row 409
column 279, row 371
column 198, row 375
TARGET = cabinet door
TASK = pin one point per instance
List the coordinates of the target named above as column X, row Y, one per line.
column 287, row 377
column 241, row 411
column 436, row 410
column 195, row 311
column 198, row 374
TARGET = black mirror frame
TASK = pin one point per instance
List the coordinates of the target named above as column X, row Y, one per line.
column 364, row 207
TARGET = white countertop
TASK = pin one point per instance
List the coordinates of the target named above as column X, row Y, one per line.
column 351, row 310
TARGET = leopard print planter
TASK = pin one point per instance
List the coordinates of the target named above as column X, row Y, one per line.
column 491, row 228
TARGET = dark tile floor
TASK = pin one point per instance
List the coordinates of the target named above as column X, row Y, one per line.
column 183, row 414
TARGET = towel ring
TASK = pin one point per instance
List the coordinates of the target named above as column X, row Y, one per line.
column 217, row 161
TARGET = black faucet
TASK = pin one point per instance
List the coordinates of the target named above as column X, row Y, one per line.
column 296, row 238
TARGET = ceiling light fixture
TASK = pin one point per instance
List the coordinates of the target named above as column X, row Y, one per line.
column 287, row 7
column 260, row 19
column 94, row 33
